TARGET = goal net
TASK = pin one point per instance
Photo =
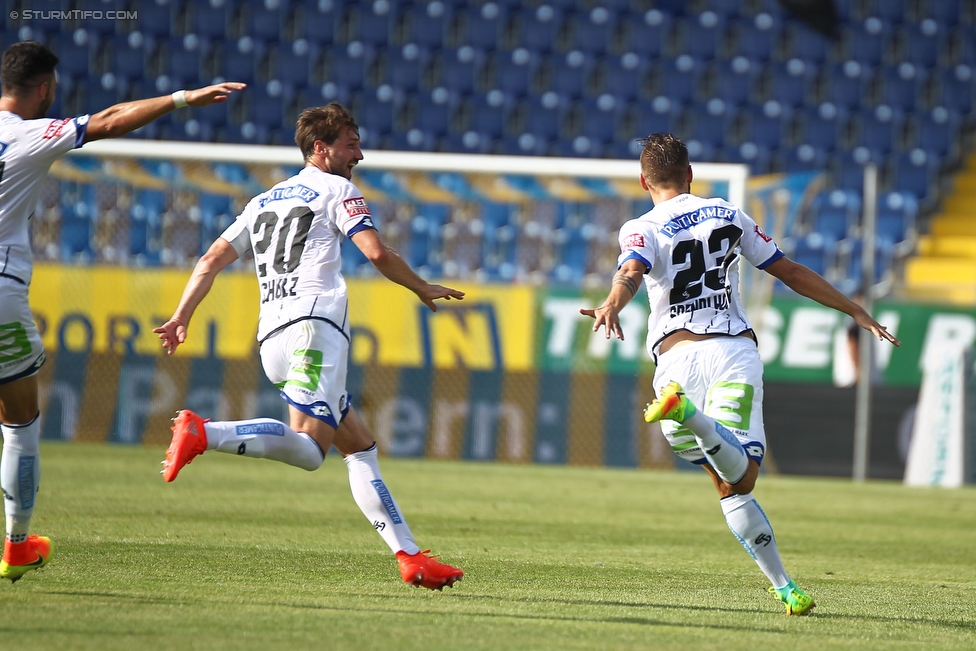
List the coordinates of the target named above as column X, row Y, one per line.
column 511, row 373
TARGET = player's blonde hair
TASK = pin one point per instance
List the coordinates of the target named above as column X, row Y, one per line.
column 664, row 160
column 321, row 123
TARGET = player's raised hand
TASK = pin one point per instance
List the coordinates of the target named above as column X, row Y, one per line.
column 431, row 292
column 868, row 323
column 212, row 94
column 605, row 317
column 173, row 333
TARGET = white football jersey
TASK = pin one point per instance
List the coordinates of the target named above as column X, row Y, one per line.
column 294, row 230
column 691, row 247
column 28, row 148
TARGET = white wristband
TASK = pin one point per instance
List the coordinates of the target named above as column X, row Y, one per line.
column 179, row 98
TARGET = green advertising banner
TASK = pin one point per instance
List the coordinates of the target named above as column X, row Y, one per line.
column 799, row 340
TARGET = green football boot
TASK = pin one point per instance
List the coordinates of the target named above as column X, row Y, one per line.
column 797, row 601
column 672, row 404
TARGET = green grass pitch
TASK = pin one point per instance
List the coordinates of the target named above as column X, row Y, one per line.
column 249, row 554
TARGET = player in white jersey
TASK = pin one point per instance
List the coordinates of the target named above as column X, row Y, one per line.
column 29, row 145
column 709, row 376
column 294, row 230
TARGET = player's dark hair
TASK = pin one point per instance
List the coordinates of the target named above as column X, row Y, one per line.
column 24, row 65
column 664, row 161
column 321, row 123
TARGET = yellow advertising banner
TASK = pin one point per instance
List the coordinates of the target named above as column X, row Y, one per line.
column 113, row 309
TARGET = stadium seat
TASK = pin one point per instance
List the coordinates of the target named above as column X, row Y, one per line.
column 75, row 51
column 808, row 45
column 491, row 113
column 523, row 144
column 847, row 167
column 461, row 70
column 846, row 85
column 128, row 55
column 429, row 25
column 869, row 43
column 625, row 77
column 482, row 26
column 265, row 20
column 373, row 23
column 882, row 130
column 703, row 37
column 76, row 230
column 815, row 252
column 537, row 28
column 945, row 12
column 805, row 157
column 469, row 142
column 211, row 18
column 595, row 31
column 404, row 68
column 680, row 79
column 824, row 128
column 790, row 83
column 102, row 94
column 598, row 120
column 648, row 34
column 412, row 139
column 896, row 221
column 768, row 126
column 711, row 125
column 852, row 259
column 436, row 113
column 756, row 37
column 238, row 60
column 660, row 115
column 379, row 114
column 835, row 214
column 903, row 86
column 915, row 172
column 349, row 67
column 955, row 90
column 183, row 60
column 922, row 43
column 267, row 105
column 515, row 73
column 570, row 75
column 293, row 63
column 545, row 116
column 158, row 18
column 318, row 20
column 757, row 157
column 938, row 133
column 892, row 12
column 246, row 133
column 734, row 81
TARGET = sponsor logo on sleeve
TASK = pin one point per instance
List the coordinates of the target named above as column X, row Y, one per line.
column 762, row 234
column 634, row 241
column 356, row 207
column 55, row 128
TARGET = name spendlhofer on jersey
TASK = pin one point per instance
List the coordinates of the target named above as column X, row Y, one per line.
column 295, row 230
column 690, row 247
column 28, row 148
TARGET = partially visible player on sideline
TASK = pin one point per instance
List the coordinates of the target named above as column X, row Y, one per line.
column 686, row 249
column 29, row 145
column 295, row 230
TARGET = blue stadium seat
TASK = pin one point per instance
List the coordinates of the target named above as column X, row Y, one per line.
column 648, row 34
column 756, row 37
column 944, row 12
column 847, row 167
column 903, row 87
column 379, row 114
column 158, row 17
column 492, row 113
column 846, row 85
column 767, row 126
column 594, row 31
column 524, row 144
column 435, row 113
column 824, row 128
column 892, row 12
column 469, row 142
column 681, row 78
column 790, row 83
column 293, row 63
column 570, row 75
column 956, row 89
column 870, row 43
column 217, row 115
column 76, row 230
column 624, row 77
column 807, row 44
column 145, row 231
column 373, row 23
column 429, row 25
column 814, row 252
column 757, row 157
column 267, row 105
column 349, row 67
column 938, row 133
column 735, row 80
column 318, row 20
column 545, row 116
column 460, row 70
column 728, row 8
column 246, row 133
column 915, row 172
column 804, row 158
column 514, row 72
column 266, row 19
column 184, row 57
column 75, row 52
column 211, row 18
column 129, row 55
column 482, row 26
column 711, row 124
column 882, row 130
column 703, row 37
column 238, row 60
column 537, row 28
column 660, row 115
column 598, row 119
column 923, row 43
column 835, row 214
column 404, row 68
column 101, row 95
column 896, row 219
column 215, row 216
column 852, row 260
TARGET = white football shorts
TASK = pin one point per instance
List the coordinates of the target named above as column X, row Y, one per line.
column 21, row 350
column 307, row 361
column 722, row 376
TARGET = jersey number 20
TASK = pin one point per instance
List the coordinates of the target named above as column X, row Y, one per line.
column 295, row 224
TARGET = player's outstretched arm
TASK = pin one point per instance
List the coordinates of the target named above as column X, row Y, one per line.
column 809, row 283
column 173, row 332
column 118, row 120
column 391, row 265
column 626, row 282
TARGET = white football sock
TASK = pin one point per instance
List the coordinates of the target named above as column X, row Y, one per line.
column 720, row 447
column 265, row 438
column 376, row 502
column 20, row 475
column 750, row 525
